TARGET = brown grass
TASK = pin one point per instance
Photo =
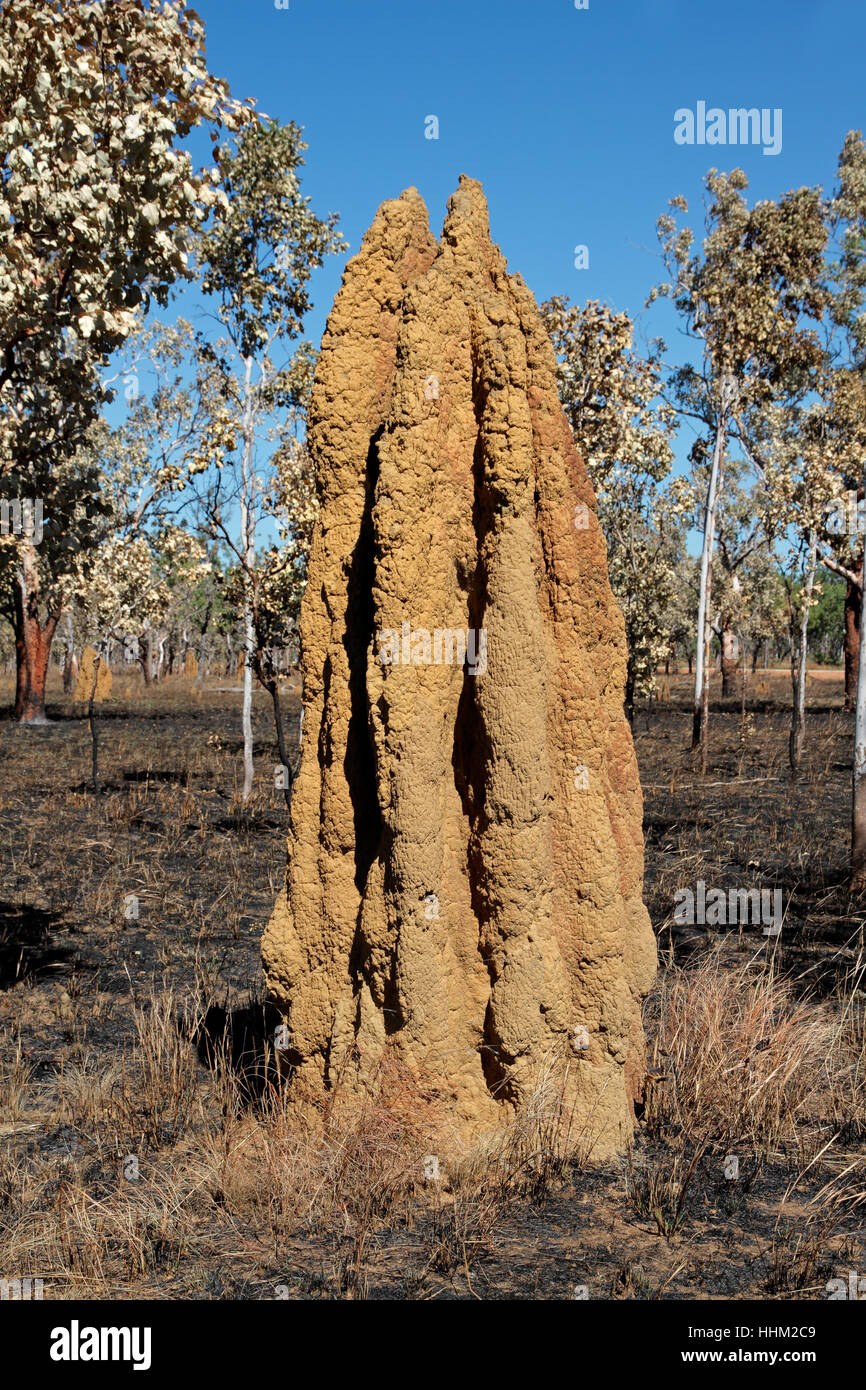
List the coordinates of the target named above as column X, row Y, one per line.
column 147, row 1040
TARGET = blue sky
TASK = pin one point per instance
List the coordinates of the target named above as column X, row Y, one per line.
column 565, row 115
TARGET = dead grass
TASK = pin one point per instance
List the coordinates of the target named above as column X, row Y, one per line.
column 739, row 1069
column 146, row 1150
column 742, row 1054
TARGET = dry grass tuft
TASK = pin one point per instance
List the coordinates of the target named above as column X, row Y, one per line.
column 744, row 1055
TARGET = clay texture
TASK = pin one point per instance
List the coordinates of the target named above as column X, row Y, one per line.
column 466, row 854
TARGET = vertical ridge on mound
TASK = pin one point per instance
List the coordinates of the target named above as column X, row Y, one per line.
column 466, row 858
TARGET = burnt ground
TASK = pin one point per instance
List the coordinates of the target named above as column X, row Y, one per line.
column 131, row 1005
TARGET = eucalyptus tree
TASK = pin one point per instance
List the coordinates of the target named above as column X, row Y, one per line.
column 610, row 393
column 99, row 201
column 814, row 454
column 741, row 536
column 256, row 262
column 800, row 448
column 747, row 297
column 848, row 422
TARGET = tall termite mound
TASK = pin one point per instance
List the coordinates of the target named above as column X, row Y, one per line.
column 466, row 856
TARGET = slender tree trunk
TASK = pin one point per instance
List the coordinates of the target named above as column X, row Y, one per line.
column 248, row 550
column 858, row 799
column 70, row 670
column 274, row 688
column 629, row 692
column 20, row 663
column 143, row 656
column 729, row 659
column 853, row 602
column 743, row 723
column 69, row 662
column 247, row 708
column 705, row 696
column 702, row 655
column 33, row 639
column 202, row 646
column 743, row 688
column 94, row 735
column 798, row 668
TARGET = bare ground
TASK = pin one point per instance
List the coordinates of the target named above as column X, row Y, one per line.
column 145, row 1152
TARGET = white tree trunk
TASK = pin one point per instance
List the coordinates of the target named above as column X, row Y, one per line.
column 248, row 534
column 702, row 646
column 798, row 723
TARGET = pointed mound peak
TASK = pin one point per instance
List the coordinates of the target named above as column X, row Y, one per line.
column 401, row 231
column 468, row 218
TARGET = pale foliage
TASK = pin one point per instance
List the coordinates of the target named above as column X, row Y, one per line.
column 623, row 429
